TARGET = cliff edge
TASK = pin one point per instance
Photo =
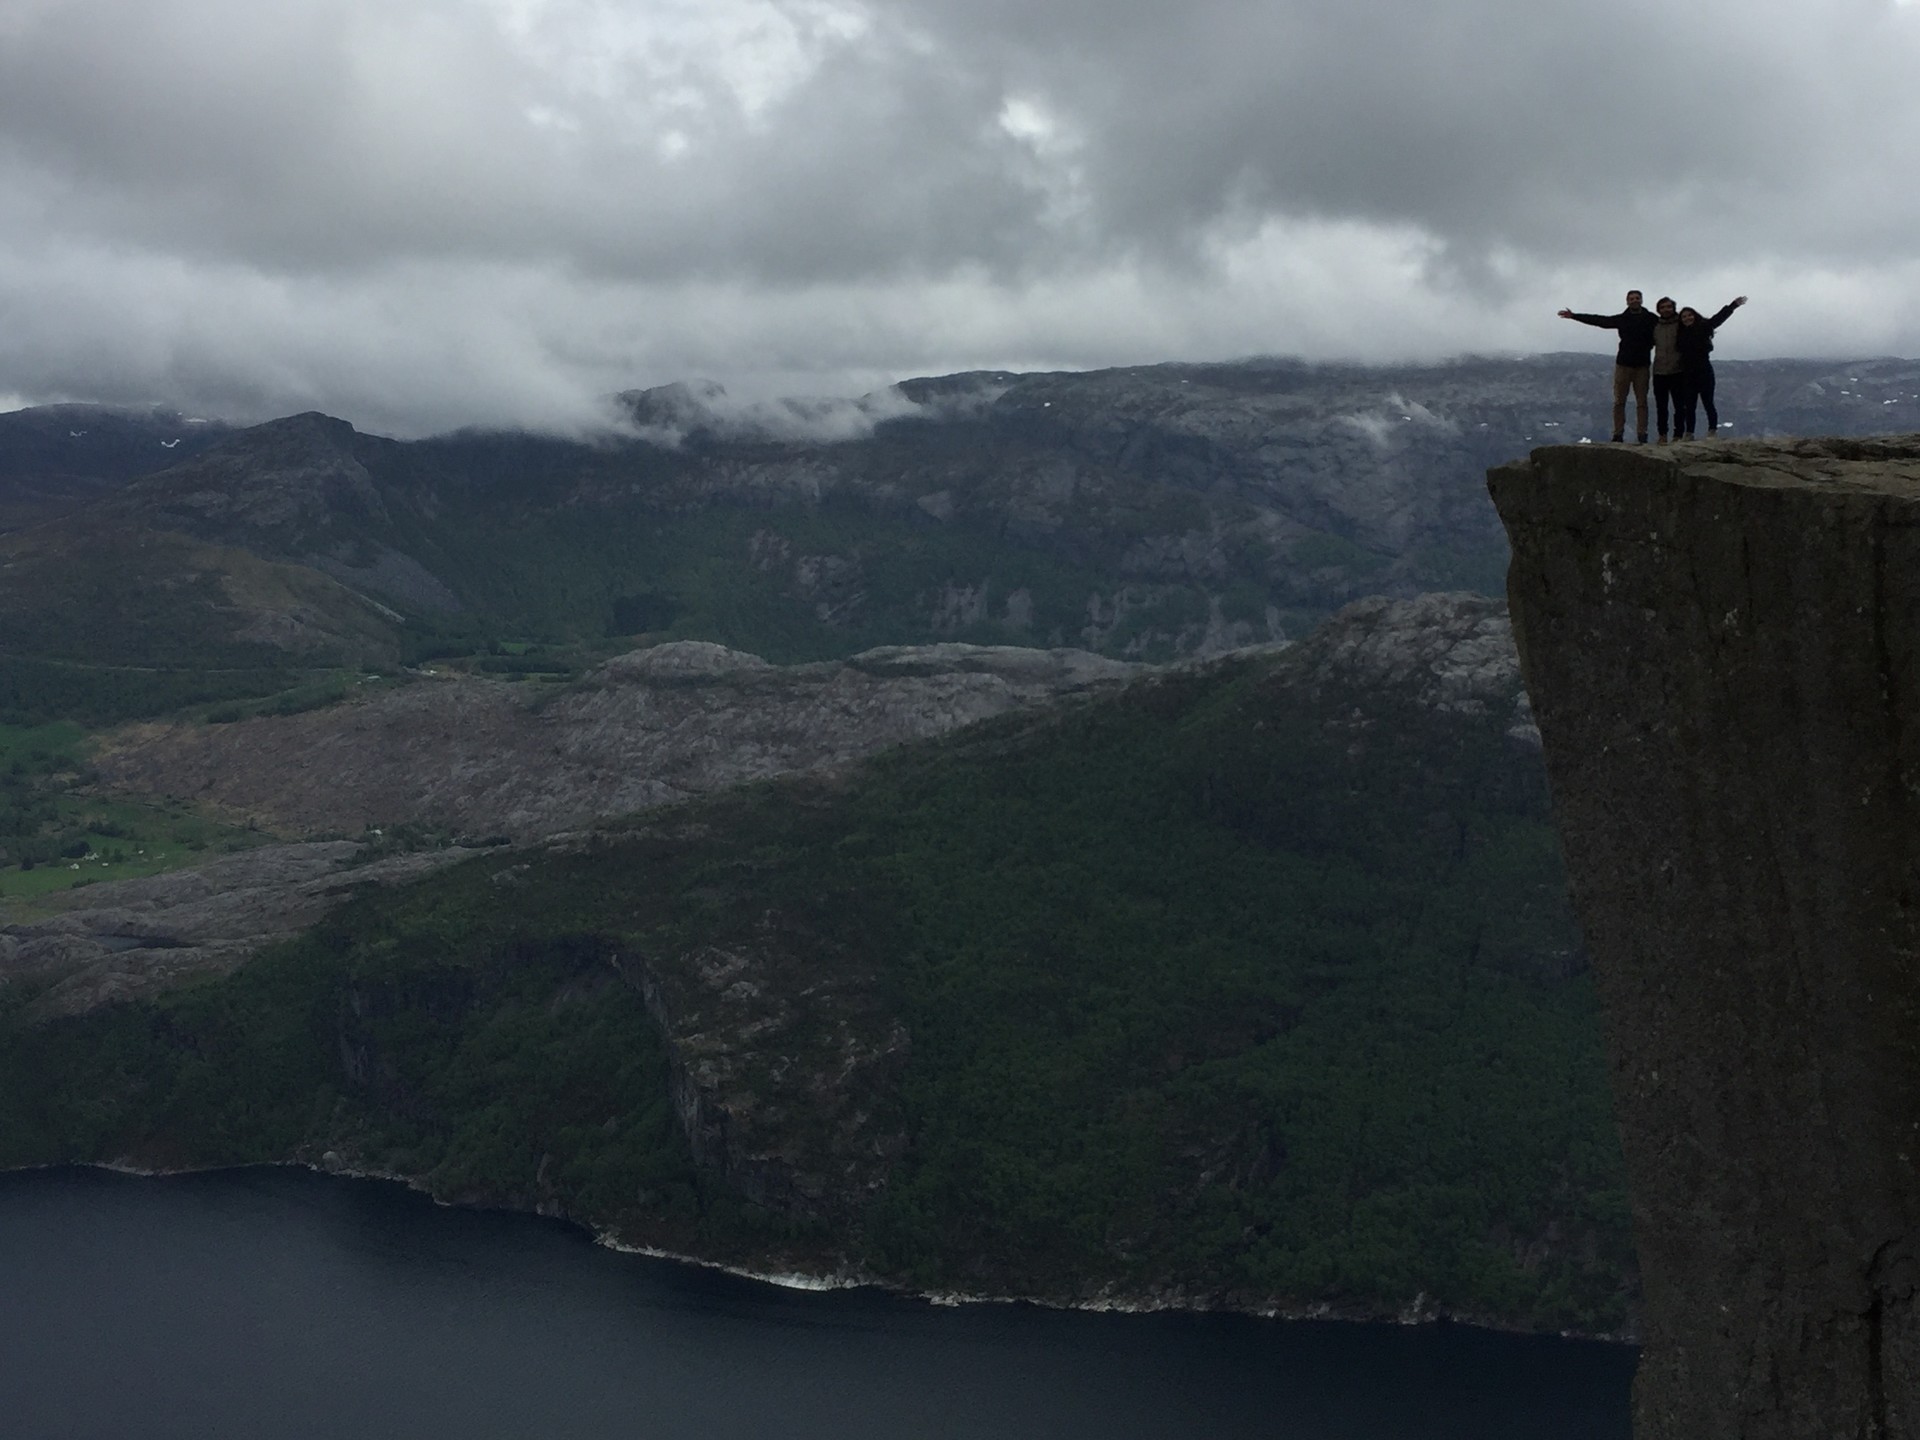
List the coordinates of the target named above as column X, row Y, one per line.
column 1722, row 645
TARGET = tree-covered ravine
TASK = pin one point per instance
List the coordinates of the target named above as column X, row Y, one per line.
column 1253, row 985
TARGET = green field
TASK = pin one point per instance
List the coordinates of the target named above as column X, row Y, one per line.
column 55, row 836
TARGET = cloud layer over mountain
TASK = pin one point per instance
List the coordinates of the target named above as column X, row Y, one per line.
column 419, row 213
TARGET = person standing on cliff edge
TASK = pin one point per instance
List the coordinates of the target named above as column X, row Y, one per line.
column 1695, row 342
column 1631, row 362
column 1667, row 380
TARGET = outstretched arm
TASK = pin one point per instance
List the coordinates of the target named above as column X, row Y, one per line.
column 1605, row 322
column 1720, row 315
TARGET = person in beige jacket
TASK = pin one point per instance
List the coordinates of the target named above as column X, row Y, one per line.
column 1668, row 384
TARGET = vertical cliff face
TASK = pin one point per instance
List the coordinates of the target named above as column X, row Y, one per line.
column 1722, row 645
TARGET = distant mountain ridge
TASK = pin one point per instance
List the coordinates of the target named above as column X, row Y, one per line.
column 1145, row 513
column 55, row 458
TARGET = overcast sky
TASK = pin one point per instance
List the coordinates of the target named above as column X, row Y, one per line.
column 423, row 213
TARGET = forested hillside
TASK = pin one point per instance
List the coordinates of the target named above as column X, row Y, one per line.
column 1253, row 984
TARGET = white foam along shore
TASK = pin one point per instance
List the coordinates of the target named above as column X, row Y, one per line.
column 1420, row 1311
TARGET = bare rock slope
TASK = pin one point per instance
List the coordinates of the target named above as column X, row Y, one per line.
column 484, row 757
column 1449, row 652
column 127, row 939
column 1723, row 649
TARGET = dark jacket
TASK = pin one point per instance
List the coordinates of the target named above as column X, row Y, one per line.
column 1636, row 334
column 1695, row 341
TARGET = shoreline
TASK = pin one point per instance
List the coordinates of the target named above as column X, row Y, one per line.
column 1417, row 1312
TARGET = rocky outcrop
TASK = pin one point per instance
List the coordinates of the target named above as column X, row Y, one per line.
column 484, row 757
column 296, row 489
column 128, row 939
column 1450, row 652
column 784, row 1064
column 1723, row 649
column 279, row 482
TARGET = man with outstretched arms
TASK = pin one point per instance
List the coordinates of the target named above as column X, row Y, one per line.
column 1630, row 363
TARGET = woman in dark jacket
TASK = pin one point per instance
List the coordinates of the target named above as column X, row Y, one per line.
column 1694, row 340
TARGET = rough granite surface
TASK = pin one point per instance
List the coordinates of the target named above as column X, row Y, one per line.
column 1723, row 649
column 1445, row 651
column 484, row 757
column 129, row 939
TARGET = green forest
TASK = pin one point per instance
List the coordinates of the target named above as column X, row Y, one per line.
column 1226, row 987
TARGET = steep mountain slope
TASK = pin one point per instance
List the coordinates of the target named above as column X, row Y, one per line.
column 299, row 490
column 1248, row 984
column 56, row 458
column 99, row 621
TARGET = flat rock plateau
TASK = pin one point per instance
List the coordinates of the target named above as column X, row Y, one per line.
column 1722, row 644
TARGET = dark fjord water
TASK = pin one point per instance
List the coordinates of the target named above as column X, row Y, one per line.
column 266, row 1304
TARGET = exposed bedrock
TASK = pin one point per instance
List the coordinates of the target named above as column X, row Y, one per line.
column 1723, row 650
column 645, row 729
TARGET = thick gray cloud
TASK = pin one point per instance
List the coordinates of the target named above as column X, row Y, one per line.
column 427, row 212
